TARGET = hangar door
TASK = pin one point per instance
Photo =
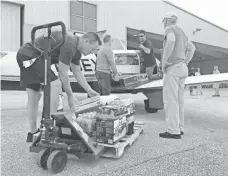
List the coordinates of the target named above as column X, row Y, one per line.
column 10, row 26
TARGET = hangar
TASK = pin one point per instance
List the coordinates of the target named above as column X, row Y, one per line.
column 121, row 19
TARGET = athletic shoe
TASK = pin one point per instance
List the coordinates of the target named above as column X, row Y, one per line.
column 171, row 136
column 30, row 136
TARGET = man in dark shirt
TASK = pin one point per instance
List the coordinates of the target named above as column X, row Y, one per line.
column 68, row 55
column 147, row 53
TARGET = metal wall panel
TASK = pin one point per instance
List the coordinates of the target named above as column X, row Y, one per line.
column 42, row 12
column 10, row 26
column 114, row 16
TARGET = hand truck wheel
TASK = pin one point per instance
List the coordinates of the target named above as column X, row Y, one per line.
column 56, row 161
column 43, row 157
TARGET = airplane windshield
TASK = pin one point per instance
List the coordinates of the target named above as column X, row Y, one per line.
column 126, row 59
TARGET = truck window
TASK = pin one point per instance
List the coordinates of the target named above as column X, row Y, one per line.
column 126, row 59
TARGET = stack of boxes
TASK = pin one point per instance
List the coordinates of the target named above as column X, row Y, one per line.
column 115, row 121
column 109, row 123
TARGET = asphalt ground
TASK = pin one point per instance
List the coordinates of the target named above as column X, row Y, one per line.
column 203, row 150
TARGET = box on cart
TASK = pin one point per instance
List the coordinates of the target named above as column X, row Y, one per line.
column 109, row 131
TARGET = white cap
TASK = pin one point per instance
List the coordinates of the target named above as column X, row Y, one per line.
column 171, row 15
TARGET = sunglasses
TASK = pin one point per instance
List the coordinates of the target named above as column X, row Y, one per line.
column 140, row 36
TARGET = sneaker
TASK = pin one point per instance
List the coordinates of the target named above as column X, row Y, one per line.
column 30, row 136
column 215, row 95
column 60, row 110
column 168, row 135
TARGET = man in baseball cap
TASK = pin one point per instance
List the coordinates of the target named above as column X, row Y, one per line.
column 174, row 66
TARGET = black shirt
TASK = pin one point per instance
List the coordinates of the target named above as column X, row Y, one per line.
column 149, row 59
column 67, row 53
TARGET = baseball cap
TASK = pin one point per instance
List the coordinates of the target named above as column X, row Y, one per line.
column 171, row 15
column 141, row 33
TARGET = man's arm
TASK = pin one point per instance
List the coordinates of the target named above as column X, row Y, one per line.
column 146, row 48
column 168, row 49
column 66, row 54
column 110, row 58
column 80, row 77
column 190, row 51
column 63, row 75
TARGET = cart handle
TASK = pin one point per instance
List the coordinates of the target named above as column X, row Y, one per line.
column 48, row 26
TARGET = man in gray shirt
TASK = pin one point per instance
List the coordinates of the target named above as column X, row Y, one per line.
column 105, row 64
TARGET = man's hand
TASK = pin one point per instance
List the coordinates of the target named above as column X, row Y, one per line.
column 164, row 67
column 116, row 76
column 72, row 102
column 92, row 93
column 141, row 46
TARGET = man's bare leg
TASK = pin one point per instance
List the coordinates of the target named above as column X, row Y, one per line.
column 32, row 108
column 56, row 87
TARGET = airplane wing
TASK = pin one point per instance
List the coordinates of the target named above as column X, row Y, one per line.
column 9, row 67
column 191, row 80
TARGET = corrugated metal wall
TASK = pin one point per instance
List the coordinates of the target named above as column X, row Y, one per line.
column 115, row 16
column 10, row 26
column 42, row 12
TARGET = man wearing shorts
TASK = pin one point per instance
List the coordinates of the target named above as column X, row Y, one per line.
column 66, row 56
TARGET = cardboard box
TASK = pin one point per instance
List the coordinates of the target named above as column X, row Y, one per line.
column 127, row 102
column 129, row 80
column 142, row 77
column 111, row 111
column 87, row 122
column 109, row 131
column 133, row 79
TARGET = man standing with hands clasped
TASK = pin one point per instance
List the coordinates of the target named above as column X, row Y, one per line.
column 174, row 65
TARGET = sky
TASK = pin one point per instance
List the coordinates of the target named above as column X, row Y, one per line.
column 215, row 11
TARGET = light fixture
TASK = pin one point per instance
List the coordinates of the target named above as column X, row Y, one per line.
column 197, row 30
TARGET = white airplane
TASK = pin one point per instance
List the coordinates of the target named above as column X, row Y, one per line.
column 128, row 63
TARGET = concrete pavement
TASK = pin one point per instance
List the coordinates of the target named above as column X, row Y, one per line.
column 202, row 151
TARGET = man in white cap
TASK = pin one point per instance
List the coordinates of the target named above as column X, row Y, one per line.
column 178, row 51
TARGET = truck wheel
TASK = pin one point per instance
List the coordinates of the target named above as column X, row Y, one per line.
column 147, row 107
